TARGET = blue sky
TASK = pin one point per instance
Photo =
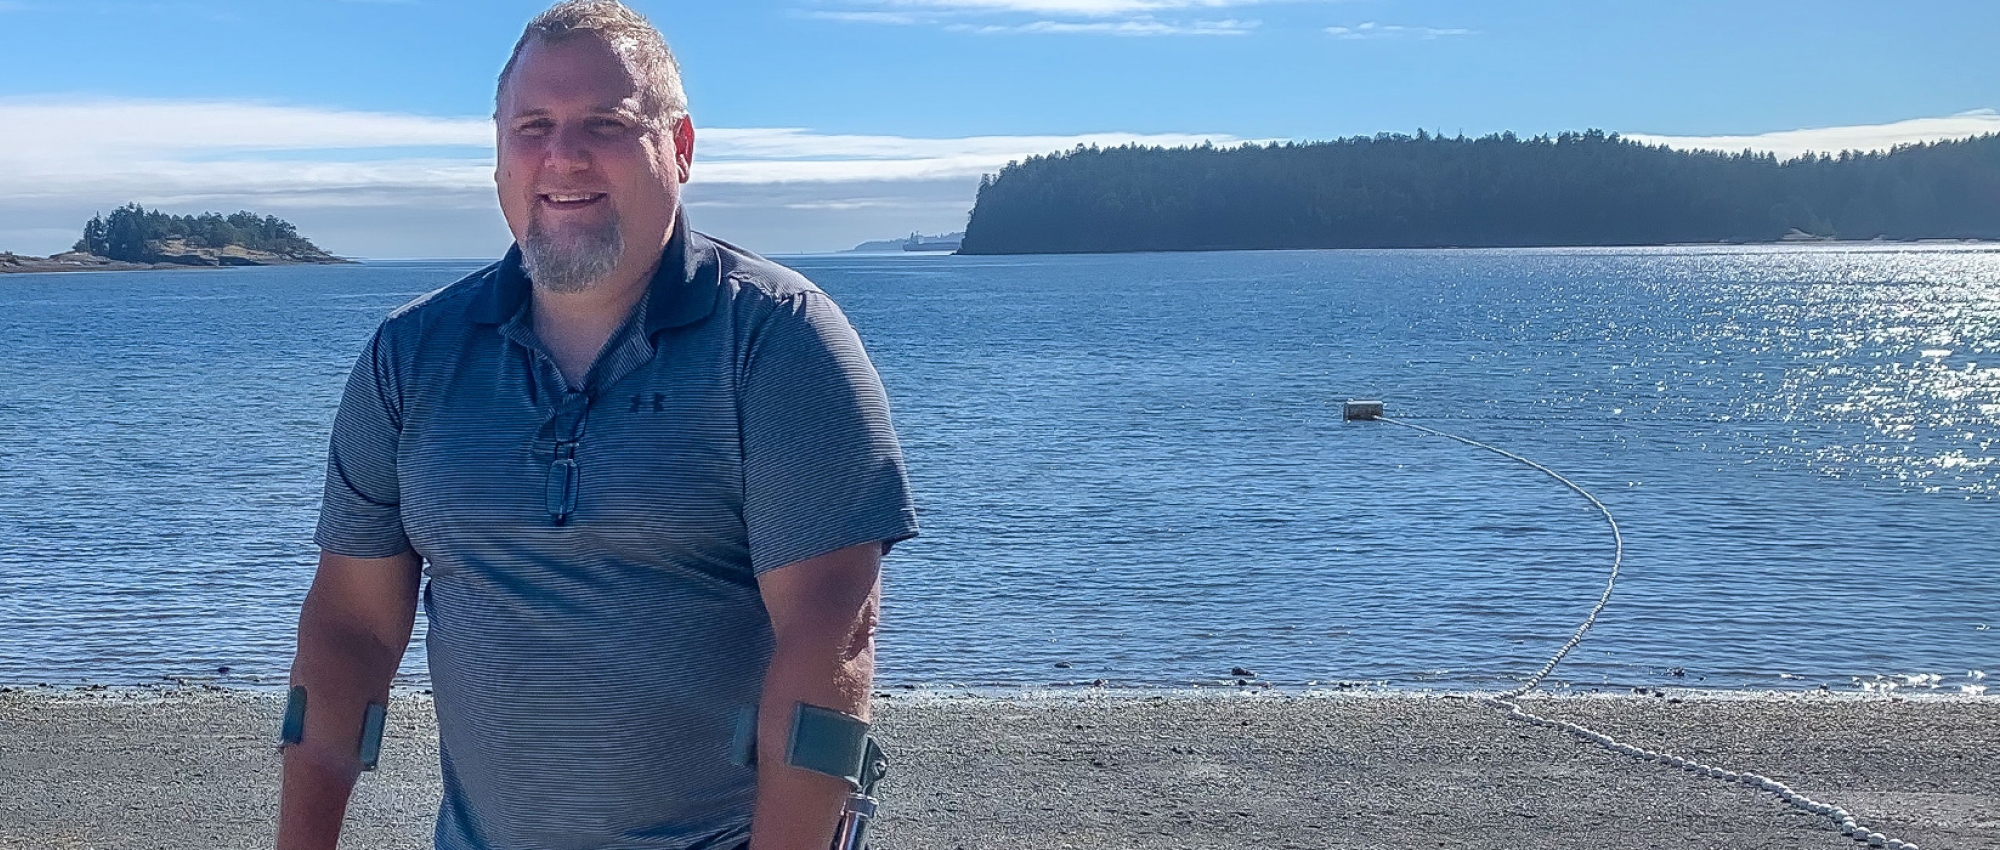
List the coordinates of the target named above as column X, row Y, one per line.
column 826, row 122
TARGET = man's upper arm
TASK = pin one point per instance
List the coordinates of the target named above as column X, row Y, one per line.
column 361, row 509
column 826, row 597
column 375, row 595
column 822, row 469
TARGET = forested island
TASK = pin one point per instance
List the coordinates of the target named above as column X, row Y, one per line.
column 133, row 237
column 1431, row 191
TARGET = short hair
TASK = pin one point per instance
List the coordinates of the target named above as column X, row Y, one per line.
column 638, row 44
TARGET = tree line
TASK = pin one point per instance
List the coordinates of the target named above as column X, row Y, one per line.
column 126, row 232
column 1422, row 191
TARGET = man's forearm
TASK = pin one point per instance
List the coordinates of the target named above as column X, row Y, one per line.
column 343, row 669
column 799, row 809
column 823, row 616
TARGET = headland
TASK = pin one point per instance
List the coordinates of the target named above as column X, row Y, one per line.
column 1588, row 189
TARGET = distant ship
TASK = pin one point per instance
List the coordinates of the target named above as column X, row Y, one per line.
column 945, row 242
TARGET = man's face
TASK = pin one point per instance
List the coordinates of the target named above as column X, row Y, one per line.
column 586, row 187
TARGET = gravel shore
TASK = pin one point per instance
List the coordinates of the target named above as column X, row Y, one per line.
column 195, row 769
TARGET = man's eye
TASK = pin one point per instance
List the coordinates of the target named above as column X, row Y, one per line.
column 532, row 128
column 607, row 127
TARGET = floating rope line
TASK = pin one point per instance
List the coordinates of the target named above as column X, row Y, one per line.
column 1842, row 818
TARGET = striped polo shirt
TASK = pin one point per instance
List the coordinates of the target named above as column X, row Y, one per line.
column 592, row 552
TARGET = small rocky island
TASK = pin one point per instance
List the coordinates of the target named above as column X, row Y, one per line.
column 135, row 238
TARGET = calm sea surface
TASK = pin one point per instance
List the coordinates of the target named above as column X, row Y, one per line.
column 1133, row 468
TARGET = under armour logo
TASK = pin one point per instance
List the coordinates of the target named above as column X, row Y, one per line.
column 659, row 402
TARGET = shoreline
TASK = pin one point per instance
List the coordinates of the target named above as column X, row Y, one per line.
column 67, row 268
column 1201, row 768
column 41, row 265
column 1885, row 244
column 18, row 264
column 21, row 264
column 1896, row 688
column 937, row 693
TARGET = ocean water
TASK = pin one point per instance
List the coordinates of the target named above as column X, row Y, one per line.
column 1133, row 468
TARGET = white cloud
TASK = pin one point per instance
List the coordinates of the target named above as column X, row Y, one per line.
column 1372, row 30
column 892, row 18
column 1124, row 28
column 796, row 143
column 1080, row 8
column 853, row 204
column 1054, row 17
column 385, row 184
column 105, row 126
column 186, row 148
column 185, row 151
column 1866, row 137
column 335, row 165
column 793, row 155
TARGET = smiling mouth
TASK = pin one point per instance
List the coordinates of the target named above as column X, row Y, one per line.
column 570, row 200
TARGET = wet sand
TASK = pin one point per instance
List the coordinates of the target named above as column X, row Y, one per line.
column 196, row 769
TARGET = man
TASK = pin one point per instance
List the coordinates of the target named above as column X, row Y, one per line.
column 648, row 475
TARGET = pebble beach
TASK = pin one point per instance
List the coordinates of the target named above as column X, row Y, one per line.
column 195, row 768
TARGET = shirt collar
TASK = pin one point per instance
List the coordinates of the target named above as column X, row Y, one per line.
column 682, row 291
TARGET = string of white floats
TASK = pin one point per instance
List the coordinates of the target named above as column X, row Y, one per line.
column 1842, row 818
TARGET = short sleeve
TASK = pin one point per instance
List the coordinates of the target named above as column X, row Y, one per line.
column 360, row 515
column 821, row 466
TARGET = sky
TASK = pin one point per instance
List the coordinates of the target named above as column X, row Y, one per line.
column 824, row 123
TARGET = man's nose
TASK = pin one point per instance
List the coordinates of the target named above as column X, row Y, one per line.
column 569, row 148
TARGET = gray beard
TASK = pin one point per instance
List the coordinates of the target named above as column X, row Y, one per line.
column 572, row 262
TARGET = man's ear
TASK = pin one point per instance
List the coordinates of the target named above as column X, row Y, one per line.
column 684, row 146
